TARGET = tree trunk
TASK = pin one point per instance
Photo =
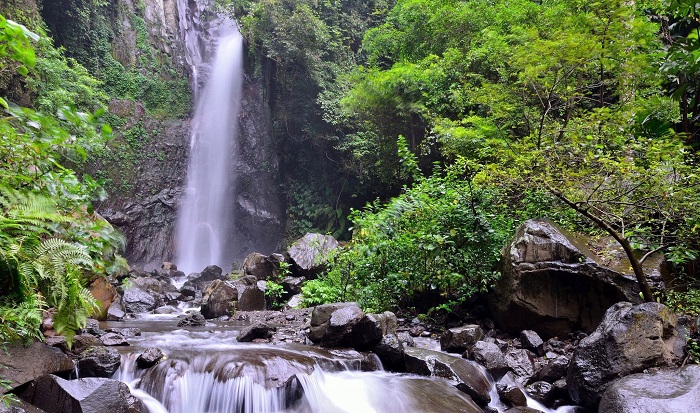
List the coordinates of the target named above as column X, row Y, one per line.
column 624, row 242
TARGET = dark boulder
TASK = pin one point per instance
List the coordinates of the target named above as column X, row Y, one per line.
column 490, row 356
column 98, row 362
column 345, row 325
column 532, row 341
column 82, row 342
column 554, row 370
column 260, row 266
column 254, row 331
column 630, row 339
column 333, row 328
column 542, row 391
column 126, row 332
column 370, row 329
column 463, row 374
column 92, row 326
column 24, row 364
column 219, row 299
column 521, row 362
column 552, row 284
column 149, row 358
column 672, row 391
column 460, row 339
column 250, row 298
column 167, row 309
column 320, row 319
column 194, row 319
column 292, row 285
column 309, row 254
column 113, row 339
column 211, row 273
column 91, row 395
column 137, row 300
column 390, row 352
column 115, row 312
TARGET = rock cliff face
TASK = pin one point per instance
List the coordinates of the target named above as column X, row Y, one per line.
column 146, row 174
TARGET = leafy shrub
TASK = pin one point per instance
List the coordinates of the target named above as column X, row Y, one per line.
column 439, row 236
column 51, row 242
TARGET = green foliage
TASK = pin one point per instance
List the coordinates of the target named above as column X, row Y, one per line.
column 274, row 292
column 300, row 50
column 51, row 243
column 81, row 26
column 59, row 81
column 439, row 236
column 682, row 63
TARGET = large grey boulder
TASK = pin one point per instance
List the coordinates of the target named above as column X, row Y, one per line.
column 465, row 375
column 24, row 364
column 460, row 339
column 219, row 299
column 149, row 358
column 261, row 266
column 98, row 362
column 92, row 395
column 321, row 317
column 552, row 284
column 672, row 391
column 340, row 326
column 137, row 300
column 203, row 279
column 630, row 339
column 250, row 298
column 309, row 253
column 370, row 329
column 257, row 330
column 490, row 356
column 390, row 351
column 115, row 312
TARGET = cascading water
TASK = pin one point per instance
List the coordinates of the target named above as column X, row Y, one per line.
column 207, row 213
column 206, row 370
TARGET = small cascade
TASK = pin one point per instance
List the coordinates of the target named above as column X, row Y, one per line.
column 218, row 383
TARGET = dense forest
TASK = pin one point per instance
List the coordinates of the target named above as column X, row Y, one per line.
column 421, row 131
column 464, row 118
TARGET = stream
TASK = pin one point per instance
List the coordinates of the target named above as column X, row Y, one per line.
column 206, row 370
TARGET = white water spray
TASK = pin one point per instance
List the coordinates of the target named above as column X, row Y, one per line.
column 207, row 213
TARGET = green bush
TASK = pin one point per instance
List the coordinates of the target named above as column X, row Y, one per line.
column 51, row 242
column 439, row 236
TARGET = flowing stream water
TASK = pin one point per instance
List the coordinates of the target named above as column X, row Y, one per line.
column 206, row 370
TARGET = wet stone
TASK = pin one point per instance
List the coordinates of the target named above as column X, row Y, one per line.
column 255, row 331
column 194, row 319
column 98, row 362
column 532, row 341
column 149, row 358
column 114, row 339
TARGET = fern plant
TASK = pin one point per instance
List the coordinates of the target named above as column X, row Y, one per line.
column 37, row 271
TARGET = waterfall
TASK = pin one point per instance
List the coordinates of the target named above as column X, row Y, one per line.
column 206, row 214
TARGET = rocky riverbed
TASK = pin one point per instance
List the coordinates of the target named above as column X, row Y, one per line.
column 165, row 331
